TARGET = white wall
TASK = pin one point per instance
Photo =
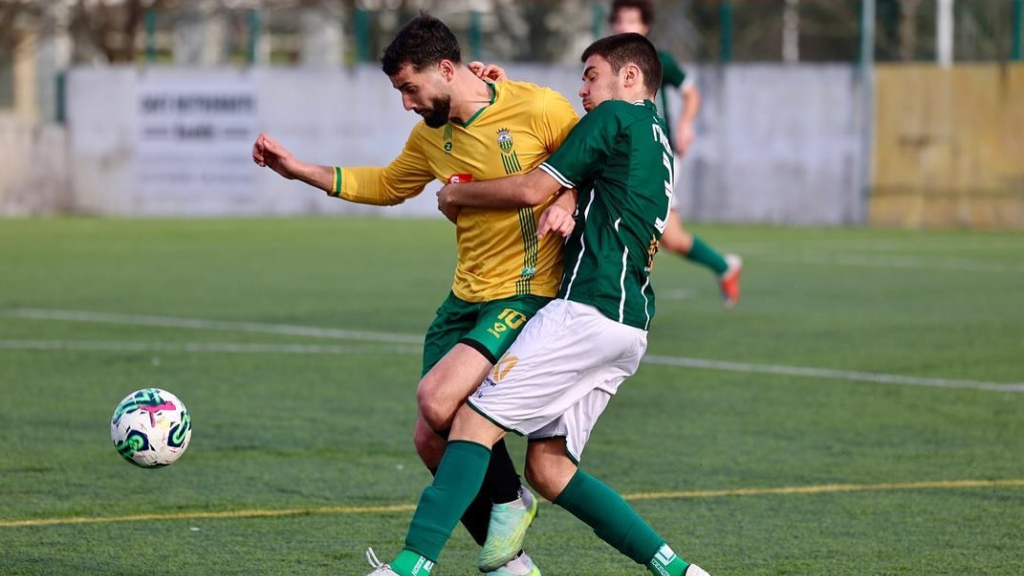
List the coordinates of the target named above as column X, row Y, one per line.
column 779, row 144
column 34, row 173
column 775, row 144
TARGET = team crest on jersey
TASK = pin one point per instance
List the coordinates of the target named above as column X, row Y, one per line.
column 504, row 140
column 509, row 159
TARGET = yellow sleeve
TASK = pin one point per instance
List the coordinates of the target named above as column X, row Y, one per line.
column 556, row 119
column 403, row 178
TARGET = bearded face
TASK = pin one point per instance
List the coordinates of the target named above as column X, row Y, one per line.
column 436, row 114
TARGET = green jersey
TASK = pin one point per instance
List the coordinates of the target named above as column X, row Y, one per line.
column 620, row 161
column 672, row 74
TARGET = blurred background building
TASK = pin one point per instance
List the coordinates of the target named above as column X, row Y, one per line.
column 905, row 112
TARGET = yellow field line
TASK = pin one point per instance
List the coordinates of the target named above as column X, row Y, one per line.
column 819, row 489
column 208, row 515
column 829, row 488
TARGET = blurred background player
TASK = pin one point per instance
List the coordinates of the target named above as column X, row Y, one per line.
column 471, row 130
column 637, row 16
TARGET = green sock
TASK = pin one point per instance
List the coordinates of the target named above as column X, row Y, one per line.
column 456, row 484
column 666, row 563
column 409, row 563
column 707, row 256
column 601, row 508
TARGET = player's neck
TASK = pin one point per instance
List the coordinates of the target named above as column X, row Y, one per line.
column 636, row 95
column 471, row 94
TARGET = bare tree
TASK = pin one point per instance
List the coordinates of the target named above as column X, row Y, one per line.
column 16, row 18
column 108, row 28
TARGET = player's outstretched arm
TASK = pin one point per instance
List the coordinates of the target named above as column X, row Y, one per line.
column 684, row 131
column 269, row 153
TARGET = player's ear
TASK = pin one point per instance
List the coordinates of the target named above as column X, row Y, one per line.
column 631, row 75
column 447, row 69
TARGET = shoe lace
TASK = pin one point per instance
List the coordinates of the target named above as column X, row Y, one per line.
column 375, row 563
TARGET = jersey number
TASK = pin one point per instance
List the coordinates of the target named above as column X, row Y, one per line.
column 666, row 160
column 511, row 318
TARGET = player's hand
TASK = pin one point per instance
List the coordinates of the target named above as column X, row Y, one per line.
column 445, row 204
column 684, row 138
column 269, row 153
column 491, row 72
column 555, row 219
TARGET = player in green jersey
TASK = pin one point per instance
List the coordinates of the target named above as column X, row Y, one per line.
column 636, row 16
column 559, row 375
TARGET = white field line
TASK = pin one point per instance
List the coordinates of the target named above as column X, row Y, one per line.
column 222, row 347
column 880, row 261
column 682, row 362
column 909, row 262
column 831, row 374
column 897, row 246
column 676, row 294
column 199, row 324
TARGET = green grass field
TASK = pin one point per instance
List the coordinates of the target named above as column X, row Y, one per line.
column 865, row 415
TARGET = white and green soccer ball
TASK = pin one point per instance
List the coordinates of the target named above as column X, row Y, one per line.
column 151, row 428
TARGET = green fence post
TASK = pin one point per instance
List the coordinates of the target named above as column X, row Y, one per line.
column 475, row 37
column 1018, row 31
column 61, row 113
column 597, row 26
column 254, row 35
column 866, row 34
column 149, row 22
column 725, row 31
column 362, row 26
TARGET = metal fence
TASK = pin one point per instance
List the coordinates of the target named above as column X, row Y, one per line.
column 696, row 30
column 707, row 31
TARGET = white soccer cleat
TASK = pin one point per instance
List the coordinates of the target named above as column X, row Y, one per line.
column 694, row 570
column 521, row 565
column 379, row 568
column 507, row 530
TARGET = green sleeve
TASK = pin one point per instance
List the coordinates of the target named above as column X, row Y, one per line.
column 587, row 147
column 672, row 74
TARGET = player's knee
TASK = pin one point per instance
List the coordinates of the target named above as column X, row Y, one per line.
column 436, row 408
column 676, row 241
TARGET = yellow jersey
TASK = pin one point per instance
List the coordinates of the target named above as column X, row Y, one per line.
column 499, row 254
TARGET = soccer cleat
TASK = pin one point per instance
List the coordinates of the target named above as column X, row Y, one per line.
column 694, row 570
column 507, row 530
column 379, row 568
column 729, row 281
column 521, row 565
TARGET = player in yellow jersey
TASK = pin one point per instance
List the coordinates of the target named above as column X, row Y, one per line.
column 471, row 130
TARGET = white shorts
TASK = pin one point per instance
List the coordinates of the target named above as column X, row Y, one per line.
column 560, row 374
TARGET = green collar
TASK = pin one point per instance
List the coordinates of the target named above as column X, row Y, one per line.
column 494, row 96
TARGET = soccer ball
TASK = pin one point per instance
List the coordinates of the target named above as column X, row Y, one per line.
column 151, row 428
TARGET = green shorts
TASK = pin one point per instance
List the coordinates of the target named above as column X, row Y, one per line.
column 488, row 327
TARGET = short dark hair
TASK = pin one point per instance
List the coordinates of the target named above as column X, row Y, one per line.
column 622, row 49
column 422, row 42
column 646, row 8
